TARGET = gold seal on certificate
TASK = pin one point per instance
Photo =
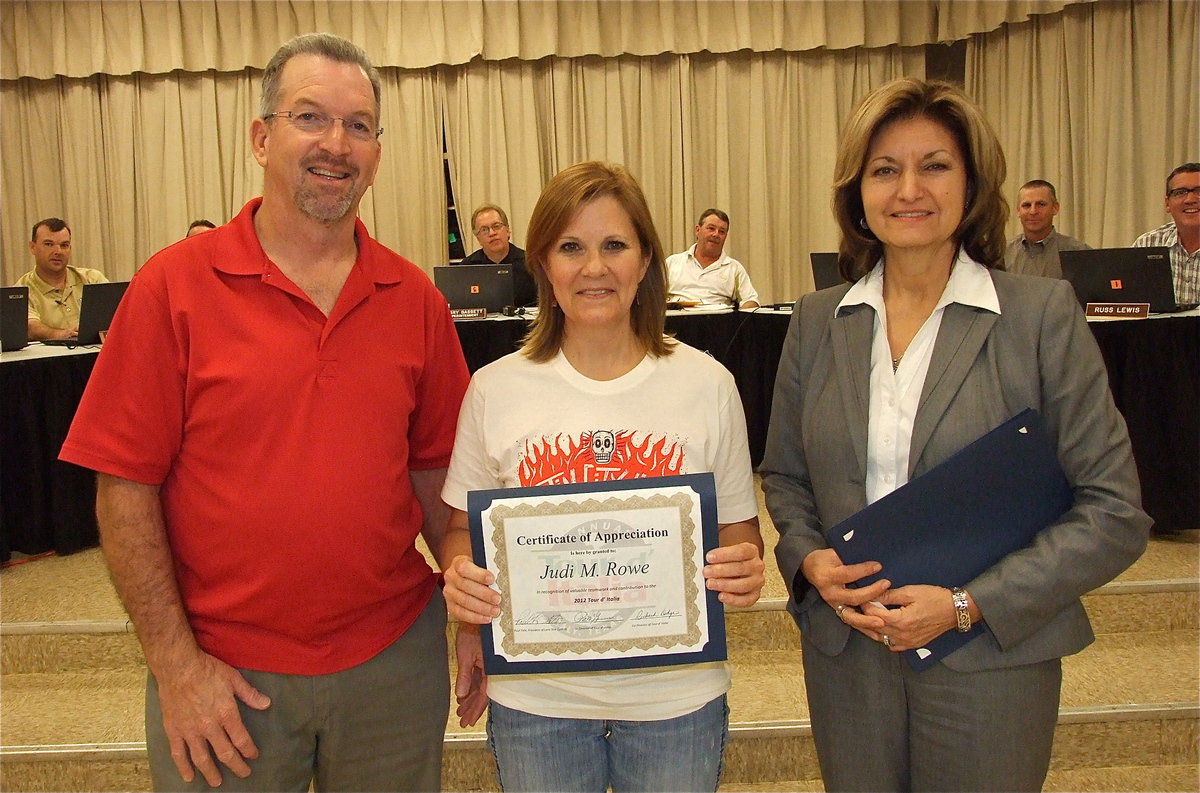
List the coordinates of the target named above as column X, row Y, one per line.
column 604, row 575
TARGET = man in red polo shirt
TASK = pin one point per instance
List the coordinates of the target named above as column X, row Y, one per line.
column 271, row 418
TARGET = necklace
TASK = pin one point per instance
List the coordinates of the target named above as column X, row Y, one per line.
column 896, row 362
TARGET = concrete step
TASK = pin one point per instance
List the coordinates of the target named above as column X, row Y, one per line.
column 1134, row 779
column 1119, row 607
column 73, row 676
column 1128, row 700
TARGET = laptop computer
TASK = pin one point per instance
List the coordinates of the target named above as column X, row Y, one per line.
column 1122, row 275
column 487, row 286
column 97, row 304
column 825, row 270
column 14, row 317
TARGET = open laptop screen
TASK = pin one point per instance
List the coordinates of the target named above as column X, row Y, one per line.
column 825, row 270
column 1122, row 275
column 97, row 304
column 487, row 286
column 14, row 317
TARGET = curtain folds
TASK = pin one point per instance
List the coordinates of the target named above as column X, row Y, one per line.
column 78, row 38
column 749, row 133
column 1101, row 101
column 130, row 161
column 137, row 157
column 1099, row 98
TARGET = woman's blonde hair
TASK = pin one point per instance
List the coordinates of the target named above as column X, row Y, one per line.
column 981, row 230
column 557, row 206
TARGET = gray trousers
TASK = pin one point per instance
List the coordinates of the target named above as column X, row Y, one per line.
column 879, row 725
column 377, row 726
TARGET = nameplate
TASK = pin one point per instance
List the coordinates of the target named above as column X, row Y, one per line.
column 1118, row 310
column 468, row 313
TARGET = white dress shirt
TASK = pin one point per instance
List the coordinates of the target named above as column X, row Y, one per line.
column 895, row 395
column 719, row 283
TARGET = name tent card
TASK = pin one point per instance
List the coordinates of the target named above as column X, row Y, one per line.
column 1117, row 310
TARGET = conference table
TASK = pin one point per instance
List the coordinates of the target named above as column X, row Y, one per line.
column 1153, row 367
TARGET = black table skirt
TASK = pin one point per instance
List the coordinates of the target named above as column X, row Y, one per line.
column 1154, row 371
column 1153, row 365
column 45, row 504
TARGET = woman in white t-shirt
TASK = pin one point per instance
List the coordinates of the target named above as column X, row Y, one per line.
column 598, row 393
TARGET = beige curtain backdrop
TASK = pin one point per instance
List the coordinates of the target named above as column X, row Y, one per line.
column 130, row 119
column 1101, row 100
column 130, row 161
column 510, row 128
column 749, row 133
column 759, row 142
column 77, row 38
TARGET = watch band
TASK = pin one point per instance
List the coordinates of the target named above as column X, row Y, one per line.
column 962, row 608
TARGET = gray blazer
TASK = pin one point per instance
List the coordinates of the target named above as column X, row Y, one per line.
column 985, row 368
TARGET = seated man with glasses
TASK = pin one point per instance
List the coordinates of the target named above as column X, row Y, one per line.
column 1182, row 234
column 490, row 226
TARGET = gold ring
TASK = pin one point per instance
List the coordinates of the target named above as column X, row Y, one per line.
column 887, row 640
column 840, row 608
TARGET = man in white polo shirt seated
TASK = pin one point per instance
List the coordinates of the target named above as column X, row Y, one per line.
column 704, row 274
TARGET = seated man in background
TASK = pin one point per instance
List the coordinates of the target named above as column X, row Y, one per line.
column 1035, row 251
column 1182, row 234
column 704, row 273
column 489, row 223
column 54, row 285
column 199, row 227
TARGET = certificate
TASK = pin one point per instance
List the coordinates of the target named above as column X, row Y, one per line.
column 603, row 575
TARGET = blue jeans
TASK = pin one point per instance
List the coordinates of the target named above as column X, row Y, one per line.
column 540, row 753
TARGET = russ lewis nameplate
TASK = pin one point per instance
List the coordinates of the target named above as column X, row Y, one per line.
column 604, row 575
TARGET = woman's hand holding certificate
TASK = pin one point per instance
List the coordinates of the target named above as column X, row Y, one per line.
column 735, row 571
column 468, row 592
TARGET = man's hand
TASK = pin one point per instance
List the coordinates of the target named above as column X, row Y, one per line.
column 36, row 330
column 201, row 718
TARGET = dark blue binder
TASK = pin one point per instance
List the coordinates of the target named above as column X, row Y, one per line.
column 956, row 520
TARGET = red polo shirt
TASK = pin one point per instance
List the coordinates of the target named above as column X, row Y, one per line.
column 282, row 440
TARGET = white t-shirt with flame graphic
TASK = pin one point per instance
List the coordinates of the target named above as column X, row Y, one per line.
column 525, row 424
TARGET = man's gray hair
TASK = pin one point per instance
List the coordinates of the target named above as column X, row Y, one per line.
column 327, row 45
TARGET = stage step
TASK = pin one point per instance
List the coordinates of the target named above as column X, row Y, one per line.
column 1130, row 699
column 1130, row 716
column 1119, row 607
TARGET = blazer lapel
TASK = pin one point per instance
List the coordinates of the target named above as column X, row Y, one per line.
column 851, row 333
column 963, row 331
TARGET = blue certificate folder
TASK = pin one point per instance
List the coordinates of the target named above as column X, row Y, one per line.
column 956, row 520
column 704, row 487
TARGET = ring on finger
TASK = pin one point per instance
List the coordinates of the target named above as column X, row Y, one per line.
column 840, row 608
column 887, row 640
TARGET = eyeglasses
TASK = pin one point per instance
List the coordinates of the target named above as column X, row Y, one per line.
column 315, row 123
column 479, row 232
column 1180, row 192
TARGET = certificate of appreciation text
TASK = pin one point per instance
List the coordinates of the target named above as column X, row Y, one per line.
column 604, row 575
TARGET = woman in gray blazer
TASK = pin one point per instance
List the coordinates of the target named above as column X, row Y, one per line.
column 929, row 348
